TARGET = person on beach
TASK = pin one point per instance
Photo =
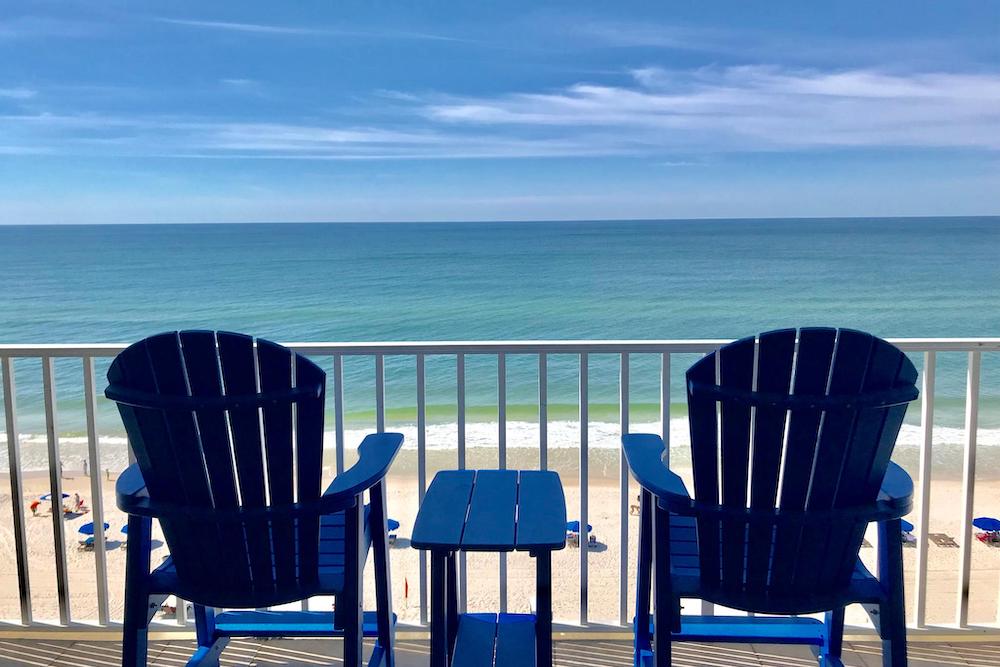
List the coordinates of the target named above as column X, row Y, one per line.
column 34, row 506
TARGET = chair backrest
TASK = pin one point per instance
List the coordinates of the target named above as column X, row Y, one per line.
column 787, row 428
column 251, row 437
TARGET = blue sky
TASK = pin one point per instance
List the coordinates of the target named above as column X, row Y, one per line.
column 310, row 111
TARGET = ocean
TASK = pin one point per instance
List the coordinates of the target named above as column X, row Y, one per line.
column 914, row 277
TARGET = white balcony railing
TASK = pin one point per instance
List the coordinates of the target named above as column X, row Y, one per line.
column 332, row 355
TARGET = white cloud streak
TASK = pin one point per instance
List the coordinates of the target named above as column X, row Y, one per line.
column 17, row 93
column 655, row 112
column 759, row 108
column 278, row 30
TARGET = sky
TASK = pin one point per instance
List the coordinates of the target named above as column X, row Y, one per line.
column 158, row 112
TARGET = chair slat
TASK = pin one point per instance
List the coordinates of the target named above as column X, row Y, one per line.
column 871, row 447
column 167, row 365
column 812, row 372
column 703, row 423
column 237, row 359
column 201, row 361
column 309, row 458
column 775, row 355
column 275, row 367
column 847, row 377
column 735, row 371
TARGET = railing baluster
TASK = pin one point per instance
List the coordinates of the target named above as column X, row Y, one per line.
column 502, row 456
column 665, row 404
column 623, row 415
column 96, row 492
column 55, row 488
column 584, row 479
column 968, row 485
column 380, row 393
column 543, row 412
column 923, row 520
column 16, row 489
column 422, row 475
column 460, row 418
column 338, row 409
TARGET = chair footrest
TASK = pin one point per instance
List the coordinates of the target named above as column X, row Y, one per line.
column 495, row 640
column 744, row 629
column 287, row 624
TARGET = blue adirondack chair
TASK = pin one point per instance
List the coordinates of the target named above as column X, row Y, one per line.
column 228, row 437
column 809, row 418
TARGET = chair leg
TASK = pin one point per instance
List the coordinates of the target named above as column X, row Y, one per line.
column 644, row 572
column 383, row 593
column 892, row 608
column 209, row 646
column 349, row 602
column 135, row 628
column 831, row 653
column 663, row 602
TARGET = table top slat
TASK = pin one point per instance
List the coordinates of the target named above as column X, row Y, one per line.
column 541, row 511
column 441, row 517
column 490, row 525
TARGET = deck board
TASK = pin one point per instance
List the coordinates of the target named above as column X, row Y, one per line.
column 410, row 653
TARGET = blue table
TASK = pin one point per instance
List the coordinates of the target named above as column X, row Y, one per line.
column 494, row 511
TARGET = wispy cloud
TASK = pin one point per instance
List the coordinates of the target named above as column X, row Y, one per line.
column 271, row 29
column 232, row 26
column 17, row 93
column 673, row 116
column 758, row 108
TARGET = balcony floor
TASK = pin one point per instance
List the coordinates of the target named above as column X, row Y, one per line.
column 589, row 653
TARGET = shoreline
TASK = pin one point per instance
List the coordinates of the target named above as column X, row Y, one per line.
column 522, row 449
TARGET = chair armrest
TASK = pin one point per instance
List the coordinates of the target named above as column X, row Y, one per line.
column 130, row 489
column 644, row 453
column 375, row 454
column 897, row 489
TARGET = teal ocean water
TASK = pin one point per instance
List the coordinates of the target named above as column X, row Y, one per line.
column 581, row 280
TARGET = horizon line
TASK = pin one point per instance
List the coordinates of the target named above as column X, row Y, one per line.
column 505, row 221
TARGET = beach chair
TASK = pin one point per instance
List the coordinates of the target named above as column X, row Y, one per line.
column 809, row 418
column 227, row 432
column 987, row 530
column 573, row 533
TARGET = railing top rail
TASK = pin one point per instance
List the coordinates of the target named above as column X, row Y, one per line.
column 493, row 347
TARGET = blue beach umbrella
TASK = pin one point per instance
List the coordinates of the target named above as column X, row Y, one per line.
column 907, row 526
column 88, row 528
column 125, row 529
column 574, row 527
column 392, row 524
column 48, row 496
column 987, row 523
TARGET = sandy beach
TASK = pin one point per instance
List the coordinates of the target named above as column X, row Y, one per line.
column 483, row 586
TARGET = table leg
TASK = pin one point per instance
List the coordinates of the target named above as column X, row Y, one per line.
column 452, row 611
column 543, row 619
column 439, row 621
